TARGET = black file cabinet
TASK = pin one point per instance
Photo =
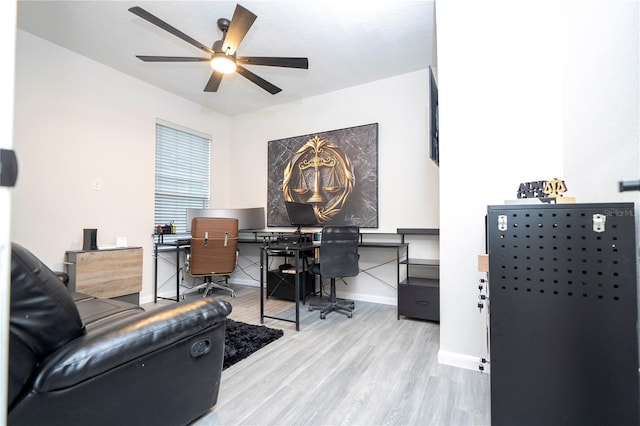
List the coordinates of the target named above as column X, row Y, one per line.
column 419, row 299
column 563, row 314
column 419, row 293
column 281, row 285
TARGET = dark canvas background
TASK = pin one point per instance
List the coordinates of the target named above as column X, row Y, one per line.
column 360, row 144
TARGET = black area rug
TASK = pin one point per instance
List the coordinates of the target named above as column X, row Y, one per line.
column 242, row 339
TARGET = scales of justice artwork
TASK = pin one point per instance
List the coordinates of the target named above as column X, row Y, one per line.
column 335, row 171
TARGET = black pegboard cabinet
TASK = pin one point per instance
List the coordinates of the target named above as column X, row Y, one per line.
column 563, row 314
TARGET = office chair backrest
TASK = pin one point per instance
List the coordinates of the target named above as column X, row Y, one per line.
column 214, row 246
column 339, row 251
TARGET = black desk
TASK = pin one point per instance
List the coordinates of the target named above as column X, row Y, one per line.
column 398, row 246
column 268, row 239
column 291, row 249
column 184, row 243
column 173, row 245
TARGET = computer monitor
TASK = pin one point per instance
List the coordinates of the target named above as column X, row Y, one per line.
column 301, row 214
column 248, row 218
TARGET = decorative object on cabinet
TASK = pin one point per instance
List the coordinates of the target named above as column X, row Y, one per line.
column 419, row 296
column 336, row 171
column 546, row 191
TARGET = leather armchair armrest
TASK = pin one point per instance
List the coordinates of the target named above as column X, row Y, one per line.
column 105, row 348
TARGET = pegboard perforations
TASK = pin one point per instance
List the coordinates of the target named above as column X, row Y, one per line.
column 547, row 252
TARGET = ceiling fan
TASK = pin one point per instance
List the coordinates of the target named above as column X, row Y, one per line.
column 222, row 55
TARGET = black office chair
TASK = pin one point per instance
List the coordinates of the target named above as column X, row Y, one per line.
column 338, row 258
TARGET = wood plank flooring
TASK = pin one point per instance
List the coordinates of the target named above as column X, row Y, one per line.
column 372, row 369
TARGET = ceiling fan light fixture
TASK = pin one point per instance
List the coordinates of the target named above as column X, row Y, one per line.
column 225, row 64
column 222, row 54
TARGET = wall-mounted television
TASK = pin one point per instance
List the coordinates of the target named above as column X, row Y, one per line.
column 434, row 137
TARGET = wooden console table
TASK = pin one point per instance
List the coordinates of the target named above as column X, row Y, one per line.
column 111, row 273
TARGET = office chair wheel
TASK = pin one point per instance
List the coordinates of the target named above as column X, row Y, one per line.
column 310, row 308
column 350, row 315
column 323, row 316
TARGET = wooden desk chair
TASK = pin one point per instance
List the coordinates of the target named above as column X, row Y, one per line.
column 214, row 251
column 338, row 258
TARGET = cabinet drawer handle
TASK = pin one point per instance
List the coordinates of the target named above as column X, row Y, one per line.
column 422, row 302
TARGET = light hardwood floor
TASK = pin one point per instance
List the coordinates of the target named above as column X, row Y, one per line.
column 372, row 369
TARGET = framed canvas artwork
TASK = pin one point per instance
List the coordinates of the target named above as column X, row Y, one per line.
column 335, row 171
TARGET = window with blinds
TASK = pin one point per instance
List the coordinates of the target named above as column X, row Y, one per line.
column 183, row 173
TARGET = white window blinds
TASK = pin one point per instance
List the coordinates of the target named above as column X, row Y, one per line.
column 183, row 173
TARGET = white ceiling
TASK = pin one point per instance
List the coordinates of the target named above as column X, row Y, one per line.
column 348, row 42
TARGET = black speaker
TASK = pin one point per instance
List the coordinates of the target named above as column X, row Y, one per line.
column 90, row 239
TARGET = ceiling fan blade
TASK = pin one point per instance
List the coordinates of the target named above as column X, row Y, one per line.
column 171, row 59
column 240, row 24
column 214, row 82
column 137, row 10
column 257, row 80
column 274, row 62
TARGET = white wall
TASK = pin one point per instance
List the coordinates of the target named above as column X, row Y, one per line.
column 408, row 180
column 518, row 96
column 602, row 107
column 86, row 121
column 513, row 108
column 7, row 46
column 602, row 82
column 76, row 121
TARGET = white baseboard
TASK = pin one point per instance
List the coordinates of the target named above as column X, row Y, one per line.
column 369, row 298
column 244, row 281
column 393, row 301
column 467, row 362
column 146, row 299
column 172, row 293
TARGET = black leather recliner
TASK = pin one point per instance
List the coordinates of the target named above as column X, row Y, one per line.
column 80, row 360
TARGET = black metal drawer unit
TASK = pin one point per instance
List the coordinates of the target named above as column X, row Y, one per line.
column 281, row 285
column 563, row 314
column 419, row 296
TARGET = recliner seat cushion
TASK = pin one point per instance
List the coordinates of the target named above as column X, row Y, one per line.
column 95, row 312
